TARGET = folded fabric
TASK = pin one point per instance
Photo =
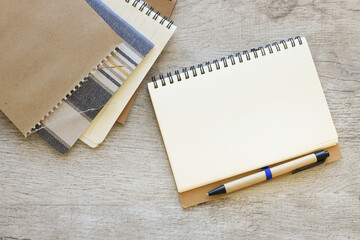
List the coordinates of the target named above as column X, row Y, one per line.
column 64, row 126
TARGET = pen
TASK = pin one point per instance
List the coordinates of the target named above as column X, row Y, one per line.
column 293, row 166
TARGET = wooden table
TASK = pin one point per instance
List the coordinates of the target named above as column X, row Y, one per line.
column 124, row 189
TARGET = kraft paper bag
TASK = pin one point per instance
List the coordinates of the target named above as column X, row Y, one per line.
column 39, row 67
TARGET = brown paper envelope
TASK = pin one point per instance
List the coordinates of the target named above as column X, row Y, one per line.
column 165, row 7
column 198, row 195
column 38, row 64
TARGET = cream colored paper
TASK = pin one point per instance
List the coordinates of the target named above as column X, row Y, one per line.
column 165, row 7
column 243, row 117
column 125, row 113
column 159, row 35
column 38, row 65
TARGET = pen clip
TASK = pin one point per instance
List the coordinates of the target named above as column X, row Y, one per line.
column 321, row 156
column 308, row 166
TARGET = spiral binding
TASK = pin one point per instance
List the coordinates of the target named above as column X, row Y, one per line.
column 244, row 56
column 143, row 7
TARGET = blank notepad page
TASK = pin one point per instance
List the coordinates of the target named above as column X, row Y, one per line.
column 242, row 117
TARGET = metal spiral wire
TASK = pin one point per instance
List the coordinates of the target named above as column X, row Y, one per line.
column 143, row 5
column 223, row 63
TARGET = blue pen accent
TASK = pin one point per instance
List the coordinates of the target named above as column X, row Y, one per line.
column 268, row 173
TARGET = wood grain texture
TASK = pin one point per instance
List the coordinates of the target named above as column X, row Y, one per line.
column 125, row 189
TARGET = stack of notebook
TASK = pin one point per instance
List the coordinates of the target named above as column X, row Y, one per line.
column 69, row 63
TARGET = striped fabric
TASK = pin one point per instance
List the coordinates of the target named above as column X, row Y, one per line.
column 66, row 124
column 62, row 128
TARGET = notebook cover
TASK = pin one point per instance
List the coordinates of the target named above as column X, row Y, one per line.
column 125, row 113
column 66, row 124
column 39, row 67
column 165, row 7
column 198, row 195
column 269, row 101
column 158, row 31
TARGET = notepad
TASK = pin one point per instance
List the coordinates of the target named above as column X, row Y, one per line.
column 241, row 113
column 156, row 29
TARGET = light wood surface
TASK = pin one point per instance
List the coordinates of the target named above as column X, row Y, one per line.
column 125, row 190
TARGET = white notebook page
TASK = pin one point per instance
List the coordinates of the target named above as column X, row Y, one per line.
column 242, row 117
column 159, row 35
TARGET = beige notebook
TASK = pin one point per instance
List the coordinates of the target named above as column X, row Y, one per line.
column 242, row 113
